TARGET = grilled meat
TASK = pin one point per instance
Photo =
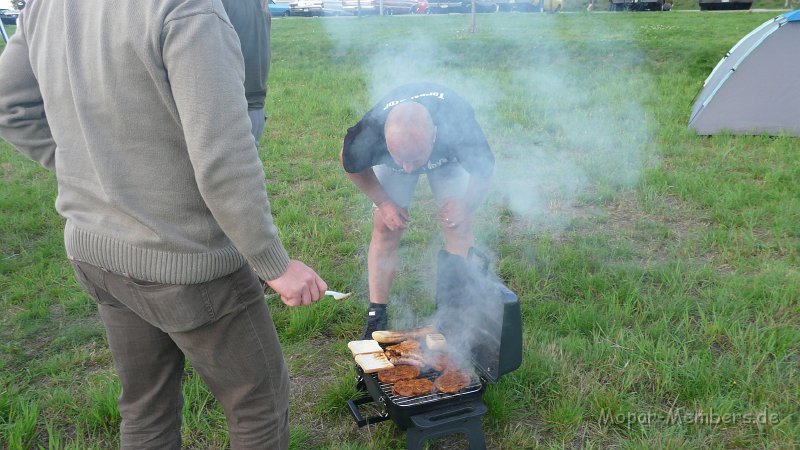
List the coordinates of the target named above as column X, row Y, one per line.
column 410, row 360
column 452, row 381
column 403, row 348
column 405, row 353
column 410, row 388
column 398, row 373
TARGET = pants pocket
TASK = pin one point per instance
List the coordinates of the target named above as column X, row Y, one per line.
column 85, row 282
column 176, row 308
column 170, row 307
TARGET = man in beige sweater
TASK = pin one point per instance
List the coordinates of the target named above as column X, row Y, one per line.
column 139, row 109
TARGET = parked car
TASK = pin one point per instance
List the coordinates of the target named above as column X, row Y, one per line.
column 639, row 5
column 367, row 7
column 306, row 7
column 481, row 6
column 706, row 5
column 529, row 5
column 391, row 7
column 9, row 16
column 279, row 9
column 445, row 6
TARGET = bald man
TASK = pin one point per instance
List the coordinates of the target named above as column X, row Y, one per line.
column 419, row 128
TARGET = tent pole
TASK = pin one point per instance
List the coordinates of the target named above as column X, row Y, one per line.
column 3, row 32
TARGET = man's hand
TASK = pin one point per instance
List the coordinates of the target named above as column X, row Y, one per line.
column 299, row 285
column 393, row 216
column 453, row 211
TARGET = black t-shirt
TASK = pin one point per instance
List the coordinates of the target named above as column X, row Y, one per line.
column 459, row 138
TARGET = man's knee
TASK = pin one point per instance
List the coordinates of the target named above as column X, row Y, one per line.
column 458, row 229
column 383, row 233
column 269, row 430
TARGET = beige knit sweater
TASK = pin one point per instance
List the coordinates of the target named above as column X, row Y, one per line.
column 139, row 108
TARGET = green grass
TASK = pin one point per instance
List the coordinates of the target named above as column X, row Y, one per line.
column 656, row 269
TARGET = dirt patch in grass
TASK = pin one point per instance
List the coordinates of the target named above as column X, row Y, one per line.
column 672, row 226
column 7, row 171
column 313, row 371
column 658, row 231
column 310, row 370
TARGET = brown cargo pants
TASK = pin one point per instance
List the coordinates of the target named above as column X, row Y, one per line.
column 223, row 327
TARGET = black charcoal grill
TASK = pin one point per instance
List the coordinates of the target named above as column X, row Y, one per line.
column 471, row 308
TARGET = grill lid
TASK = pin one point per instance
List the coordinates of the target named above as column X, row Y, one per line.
column 476, row 311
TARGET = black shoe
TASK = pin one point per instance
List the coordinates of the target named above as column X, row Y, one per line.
column 377, row 320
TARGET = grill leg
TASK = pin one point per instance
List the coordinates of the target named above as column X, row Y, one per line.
column 464, row 418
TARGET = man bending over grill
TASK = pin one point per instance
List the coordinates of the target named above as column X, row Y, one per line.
column 419, row 128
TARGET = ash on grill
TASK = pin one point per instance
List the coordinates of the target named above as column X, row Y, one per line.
column 466, row 291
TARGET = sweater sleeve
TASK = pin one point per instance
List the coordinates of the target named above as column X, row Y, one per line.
column 202, row 57
column 23, row 122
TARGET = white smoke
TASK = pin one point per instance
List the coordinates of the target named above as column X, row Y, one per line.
column 563, row 118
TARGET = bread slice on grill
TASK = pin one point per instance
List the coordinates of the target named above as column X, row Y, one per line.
column 373, row 362
column 369, row 355
column 435, row 341
column 394, row 337
column 367, row 346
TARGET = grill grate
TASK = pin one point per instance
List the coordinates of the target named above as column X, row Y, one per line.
column 399, row 400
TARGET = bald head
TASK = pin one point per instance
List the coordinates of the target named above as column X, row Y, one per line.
column 410, row 134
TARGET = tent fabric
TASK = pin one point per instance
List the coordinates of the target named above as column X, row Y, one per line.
column 754, row 88
column 792, row 16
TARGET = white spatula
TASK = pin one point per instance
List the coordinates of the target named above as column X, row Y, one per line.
column 338, row 295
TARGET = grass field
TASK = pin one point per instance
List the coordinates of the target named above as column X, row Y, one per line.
column 657, row 270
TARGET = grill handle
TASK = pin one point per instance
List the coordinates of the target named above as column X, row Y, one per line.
column 356, row 413
column 449, row 415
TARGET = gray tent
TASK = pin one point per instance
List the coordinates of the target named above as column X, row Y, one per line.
column 755, row 88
